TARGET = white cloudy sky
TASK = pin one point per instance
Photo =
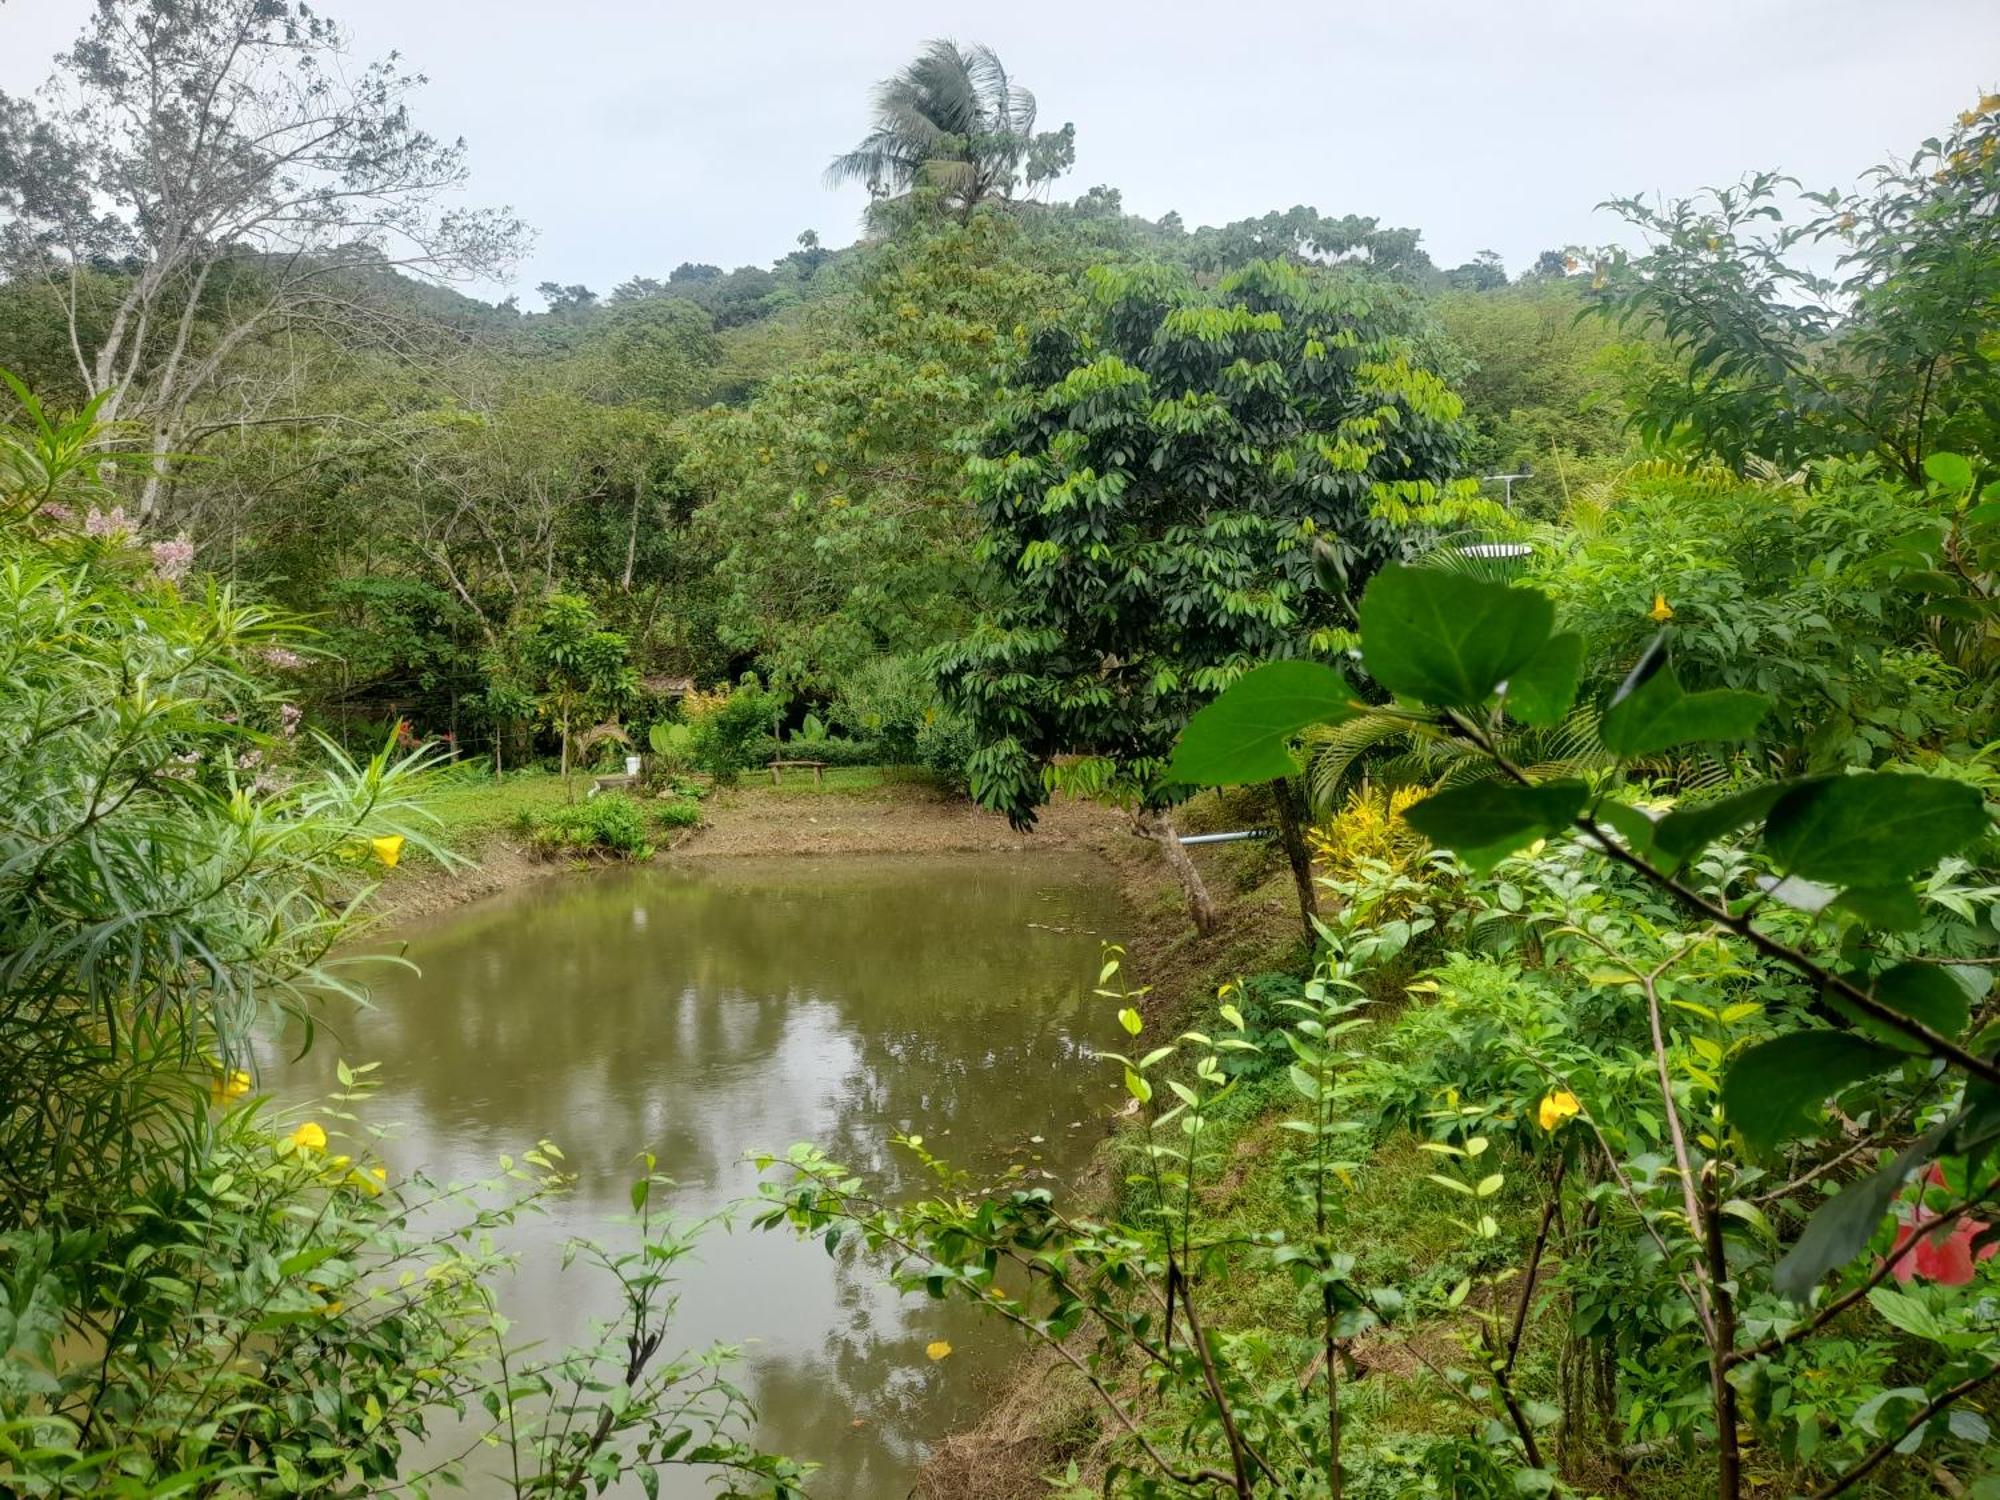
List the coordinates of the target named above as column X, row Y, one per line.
column 635, row 134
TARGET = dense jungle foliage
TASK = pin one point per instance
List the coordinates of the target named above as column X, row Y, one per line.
column 1627, row 1121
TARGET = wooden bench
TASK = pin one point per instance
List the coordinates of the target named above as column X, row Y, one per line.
column 817, row 767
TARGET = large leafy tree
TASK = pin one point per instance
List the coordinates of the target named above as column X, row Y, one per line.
column 1305, row 235
column 1184, row 482
column 833, row 502
column 202, row 174
column 954, row 121
column 1891, row 355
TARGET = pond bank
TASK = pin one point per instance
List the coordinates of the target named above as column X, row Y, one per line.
column 1041, row 1416
column 854, row 812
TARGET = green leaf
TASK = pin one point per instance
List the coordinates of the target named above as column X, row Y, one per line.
column 1922, row 992
column 1886, row 908
column 1243, row 736
column 1686, row 831
column 1873, row 829
column 1950, row 470
column 1541, row 689
column 1841, row 1227
column 1773, row 1089
column 1634, row 826
column 1483, row 822
column 1901, row 1310
column 1657, row 715
column 1968, row 1425
column 1446, row 639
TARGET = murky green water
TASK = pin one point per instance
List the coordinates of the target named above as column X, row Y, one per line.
column 705, row 1012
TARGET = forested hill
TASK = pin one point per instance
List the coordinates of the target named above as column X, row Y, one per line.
column 753, row 469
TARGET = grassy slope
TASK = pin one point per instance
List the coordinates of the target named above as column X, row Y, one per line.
column 472, row 808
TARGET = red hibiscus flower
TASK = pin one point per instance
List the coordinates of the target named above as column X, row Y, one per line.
column 1943, row 1256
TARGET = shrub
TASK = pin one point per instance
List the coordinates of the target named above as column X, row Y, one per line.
column 1772, row 589
column 683, row 812
column 673, row 748
column 834, row 751
column 945, row 744
column 609, row 825
column 884, row 702
column 727, row 725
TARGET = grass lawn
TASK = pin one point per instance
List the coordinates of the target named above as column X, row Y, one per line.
column 471, row 806
column 837, row 779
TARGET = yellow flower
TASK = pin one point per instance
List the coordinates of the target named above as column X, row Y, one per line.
column 937, row 1350
column 388, row 849
column 371, row 1181
column 228, row 1084
column 1661, row 612
column 308, row 1137
column 1557, row 1107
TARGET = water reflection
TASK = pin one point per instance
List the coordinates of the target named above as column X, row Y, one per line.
column 704, row 1012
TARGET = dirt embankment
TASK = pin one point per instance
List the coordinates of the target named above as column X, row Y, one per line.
column 894, row 817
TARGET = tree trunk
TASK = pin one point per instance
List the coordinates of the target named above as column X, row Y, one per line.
column 1154, row 824
column 1728, row 1458
column 1291, row 804
column 632, row 539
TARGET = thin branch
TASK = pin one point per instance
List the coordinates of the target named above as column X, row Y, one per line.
column 1889, row 1445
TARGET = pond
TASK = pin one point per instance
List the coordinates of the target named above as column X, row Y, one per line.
column 705, row 1011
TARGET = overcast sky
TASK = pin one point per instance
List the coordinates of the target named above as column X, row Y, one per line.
column 635, row 134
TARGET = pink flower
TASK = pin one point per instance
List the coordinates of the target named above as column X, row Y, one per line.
column 98, row 524
column 289, row 715
column 60, row 514
column 171, row 560
column 1948, row 1262
column 278, row 656
column 1944, row 1256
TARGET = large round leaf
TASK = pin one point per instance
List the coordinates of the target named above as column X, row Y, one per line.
column 1446, row 639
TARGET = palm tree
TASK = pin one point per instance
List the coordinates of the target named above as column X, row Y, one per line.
column 954, row 121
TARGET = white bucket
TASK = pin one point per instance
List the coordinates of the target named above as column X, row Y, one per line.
column 631, row 765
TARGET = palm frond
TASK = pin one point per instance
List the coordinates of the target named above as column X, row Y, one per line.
column 1333, row 750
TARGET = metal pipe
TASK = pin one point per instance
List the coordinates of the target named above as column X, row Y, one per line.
column 1225, row 838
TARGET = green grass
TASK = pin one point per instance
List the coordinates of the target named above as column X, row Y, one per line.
column 472, row 807
column 838, row 780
